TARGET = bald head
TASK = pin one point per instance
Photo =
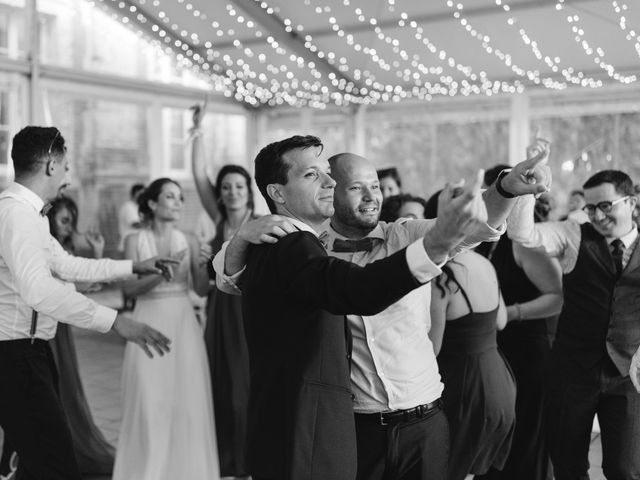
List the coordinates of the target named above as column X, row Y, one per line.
column 357, row 197
column 345, row 167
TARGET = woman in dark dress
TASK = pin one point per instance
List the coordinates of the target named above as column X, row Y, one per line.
column 230, row 205
column 95, row 455
column 531, row 285
column 479, row 389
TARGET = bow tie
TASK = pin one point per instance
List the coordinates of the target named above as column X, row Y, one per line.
column 45, row 209
column 362, row 245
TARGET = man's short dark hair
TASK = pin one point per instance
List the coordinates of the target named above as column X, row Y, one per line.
column 270, row 167
column 491, row 174
column 32, row 144
column 135, row 188
column 620, row 180
column 391, row 172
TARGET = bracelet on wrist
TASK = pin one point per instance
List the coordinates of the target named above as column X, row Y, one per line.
column 499, row 186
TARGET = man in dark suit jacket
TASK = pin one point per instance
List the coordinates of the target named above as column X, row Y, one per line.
column 598, row 329
column 295, row 299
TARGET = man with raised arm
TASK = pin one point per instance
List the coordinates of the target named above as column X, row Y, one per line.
column 320, row 412
column 598, row 329
column 31, row 260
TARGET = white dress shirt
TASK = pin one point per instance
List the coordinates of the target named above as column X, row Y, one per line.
column 558, row 239
column 32, row 261
column 393, row 363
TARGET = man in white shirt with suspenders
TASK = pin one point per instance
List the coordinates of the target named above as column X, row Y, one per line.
column 31, row 260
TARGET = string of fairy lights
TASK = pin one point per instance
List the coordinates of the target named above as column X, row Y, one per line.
column 630, row 34
column 264, row 72
column 554, row 63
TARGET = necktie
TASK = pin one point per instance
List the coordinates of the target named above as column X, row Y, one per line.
column 617, row 252
column 362, row 245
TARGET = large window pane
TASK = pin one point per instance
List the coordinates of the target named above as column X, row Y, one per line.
column 76, row 34
column 12, row 29
column 391, row 141
column 428, row 153
column 225, row 140
column 585, row 144
column 108, row 148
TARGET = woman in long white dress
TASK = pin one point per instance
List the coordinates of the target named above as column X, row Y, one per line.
column 168, row 429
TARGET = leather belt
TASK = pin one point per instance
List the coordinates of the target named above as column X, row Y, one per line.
column 401, row 416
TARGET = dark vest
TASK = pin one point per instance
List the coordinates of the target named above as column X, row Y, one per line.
column 601, row 313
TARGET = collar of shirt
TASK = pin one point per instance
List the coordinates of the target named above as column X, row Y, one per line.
column 630, row 237
column 302, row 226
column 19, row 191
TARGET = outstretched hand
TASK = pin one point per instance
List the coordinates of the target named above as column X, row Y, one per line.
column 96, row 241
column 143, row 335
column 533, row 175
column 154, row 265
column 464, row 200
column 267, row 229
column 461, row 209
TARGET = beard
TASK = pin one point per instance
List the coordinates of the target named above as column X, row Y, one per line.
column 352, row 218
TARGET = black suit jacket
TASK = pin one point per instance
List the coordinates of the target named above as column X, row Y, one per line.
column 294, row 301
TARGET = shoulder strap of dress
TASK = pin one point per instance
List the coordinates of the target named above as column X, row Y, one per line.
column 462, row 291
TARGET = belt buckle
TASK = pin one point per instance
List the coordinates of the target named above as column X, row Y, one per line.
column 382, row 420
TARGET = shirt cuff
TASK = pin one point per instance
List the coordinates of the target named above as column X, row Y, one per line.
column 230, row 280
column 103, row 319
column 224, row 282
column 494, row 234
column 420, row 264
column 123, row 268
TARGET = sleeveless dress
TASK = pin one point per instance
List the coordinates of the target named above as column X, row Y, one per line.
column 229, row 363
column 479, row 394
column 168, row 431
column 526, row 347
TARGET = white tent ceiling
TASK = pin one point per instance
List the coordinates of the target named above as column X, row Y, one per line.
column 318, row 52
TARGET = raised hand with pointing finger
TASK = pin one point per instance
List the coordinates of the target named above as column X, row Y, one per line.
column 531, row 176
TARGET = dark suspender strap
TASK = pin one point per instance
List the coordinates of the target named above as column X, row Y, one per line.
column 349, row 340
column 34, row 326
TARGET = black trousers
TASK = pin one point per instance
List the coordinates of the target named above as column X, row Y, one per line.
column 31, row 413
column 574, row 397
column 414, row 450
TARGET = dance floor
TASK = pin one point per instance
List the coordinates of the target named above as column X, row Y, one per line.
column 100, row 359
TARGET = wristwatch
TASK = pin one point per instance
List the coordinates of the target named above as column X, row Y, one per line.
column 499, row 188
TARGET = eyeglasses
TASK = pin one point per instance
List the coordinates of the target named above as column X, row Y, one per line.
column 604, row 207
column 53, row 141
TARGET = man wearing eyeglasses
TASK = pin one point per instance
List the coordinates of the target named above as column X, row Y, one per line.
column 31, row 261
column 598, row 330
